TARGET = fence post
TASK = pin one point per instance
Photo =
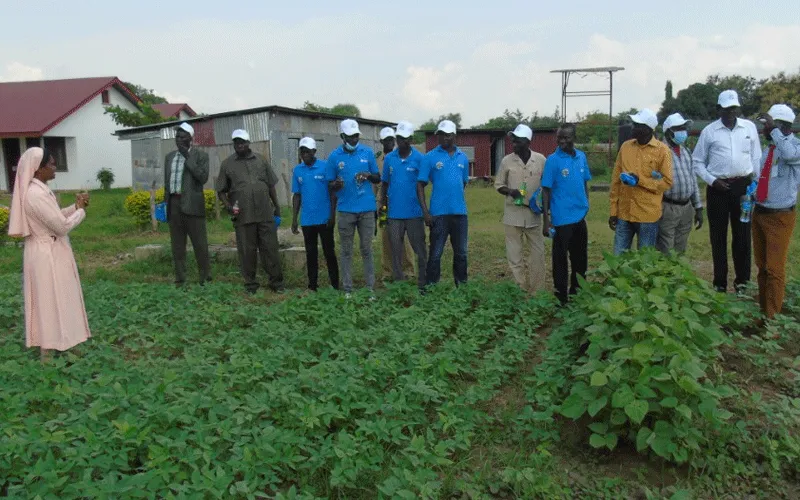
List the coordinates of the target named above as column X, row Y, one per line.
column 153, row 220
column 216, row 201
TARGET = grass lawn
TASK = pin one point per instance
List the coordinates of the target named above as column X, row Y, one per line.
column 210, row 393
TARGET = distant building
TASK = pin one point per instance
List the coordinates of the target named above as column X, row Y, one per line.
column 275, row 132
column 177, row 111
column 485, row 148
column 67, row 117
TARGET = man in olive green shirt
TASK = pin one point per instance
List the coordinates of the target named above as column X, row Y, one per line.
column 246, row 186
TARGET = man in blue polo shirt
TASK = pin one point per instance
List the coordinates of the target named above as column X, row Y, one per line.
column 447, row 168
column 400, row 173
column 351, row 168
column 313, row 198
column 565, row 200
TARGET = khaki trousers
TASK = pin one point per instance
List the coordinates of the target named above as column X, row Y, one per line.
column 771, row 236
column 528, row 270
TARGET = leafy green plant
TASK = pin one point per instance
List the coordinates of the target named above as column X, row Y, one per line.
column 4, row 214
column 106, row 178
column 137, row 204
column 648, row 332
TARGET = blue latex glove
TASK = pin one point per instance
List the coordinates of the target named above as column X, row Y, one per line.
column 628, row 179
column 277, row 221
column 656, row 175
column 534, row 203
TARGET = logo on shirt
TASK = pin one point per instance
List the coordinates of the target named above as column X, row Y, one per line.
column 565, row 172
column 364, row 160
column 439, row 165
column 341, row 165
column 460, row 165
column 391, row 170
column 300, row 180
column 319, row 177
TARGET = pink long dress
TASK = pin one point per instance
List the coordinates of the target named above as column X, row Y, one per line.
column 55, row 315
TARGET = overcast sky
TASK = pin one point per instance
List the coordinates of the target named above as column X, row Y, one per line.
column 398, row 60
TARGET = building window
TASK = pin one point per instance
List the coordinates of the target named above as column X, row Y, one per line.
column 32, row 142
column 57, row 146
column 106, row 97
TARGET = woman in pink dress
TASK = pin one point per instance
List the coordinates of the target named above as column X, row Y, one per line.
column 55, row 316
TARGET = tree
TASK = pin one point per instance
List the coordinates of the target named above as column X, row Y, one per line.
column 341, row 109
column 346, row 109
column 146, row 95
column 510, row 119
column 146, row 114
column 669, row 105
column 779, row 89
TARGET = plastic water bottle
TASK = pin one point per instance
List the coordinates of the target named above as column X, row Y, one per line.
column 747, row 203
column 746, row 209
column 523, row 190
column 552, row 232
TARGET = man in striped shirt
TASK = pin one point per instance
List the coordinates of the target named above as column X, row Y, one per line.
column 681, row 204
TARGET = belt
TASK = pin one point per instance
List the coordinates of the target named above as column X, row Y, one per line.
column 736, row 179
column 176, row 195
column 676, row 202
column 766, row 210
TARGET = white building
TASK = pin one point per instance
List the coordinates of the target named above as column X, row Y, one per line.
column 67, row 117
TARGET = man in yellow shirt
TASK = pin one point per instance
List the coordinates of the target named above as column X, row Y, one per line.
column 642, row 172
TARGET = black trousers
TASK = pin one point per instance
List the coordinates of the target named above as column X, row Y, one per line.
column 254, row 242
column 569, row 243
column 725, row 207
column 325, row 234
column 182, row 226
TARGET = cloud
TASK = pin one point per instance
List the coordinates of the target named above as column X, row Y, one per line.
column 434, row 90
column 18, row 72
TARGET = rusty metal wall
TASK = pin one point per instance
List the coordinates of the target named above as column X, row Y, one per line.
column 147, row 162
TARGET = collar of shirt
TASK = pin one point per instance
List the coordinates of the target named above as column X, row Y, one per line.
column 718, row 124
column 563, row 154
column 441, row 150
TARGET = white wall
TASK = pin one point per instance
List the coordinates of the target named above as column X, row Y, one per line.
column 183, row 115
column 91, row 145
column 3, row 172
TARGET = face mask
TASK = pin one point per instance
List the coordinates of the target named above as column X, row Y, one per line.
column 680, row 136
column 349, row 148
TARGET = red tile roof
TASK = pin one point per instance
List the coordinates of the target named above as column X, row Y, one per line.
column 29, row 109
column 173, row 110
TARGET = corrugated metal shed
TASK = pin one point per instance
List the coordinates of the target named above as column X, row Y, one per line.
column 275, row 132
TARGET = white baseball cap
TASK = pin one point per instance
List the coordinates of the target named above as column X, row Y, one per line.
column 728, row 98
column 446, row 126
column 187, row 128
column 349, row 127
column 675, row 120
column 405, row 129
column 307, row 142
column 240, row 134
column 522, row 131
column 782, row 112
column 645, row 117
column 386, row 132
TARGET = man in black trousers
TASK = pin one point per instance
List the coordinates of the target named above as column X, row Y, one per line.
column 185, row 173
column 725, row 157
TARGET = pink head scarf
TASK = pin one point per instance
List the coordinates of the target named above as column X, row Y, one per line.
column 27, row 166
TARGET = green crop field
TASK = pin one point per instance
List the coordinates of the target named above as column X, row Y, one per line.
column 649, row 385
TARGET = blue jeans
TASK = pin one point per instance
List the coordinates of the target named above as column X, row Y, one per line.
column 454, row 226
column 647, row 233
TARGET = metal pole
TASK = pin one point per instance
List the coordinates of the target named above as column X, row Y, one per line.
column 610, row 115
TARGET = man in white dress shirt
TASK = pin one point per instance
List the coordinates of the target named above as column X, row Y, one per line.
column 725, row 157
